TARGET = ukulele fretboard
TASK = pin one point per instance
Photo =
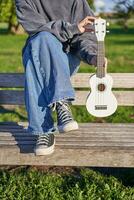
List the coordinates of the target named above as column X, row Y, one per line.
column 100, row 60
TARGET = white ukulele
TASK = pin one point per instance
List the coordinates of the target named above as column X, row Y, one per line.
column 101, row 102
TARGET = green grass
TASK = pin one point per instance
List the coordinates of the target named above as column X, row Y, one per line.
column 86, row 184
column 10, row 53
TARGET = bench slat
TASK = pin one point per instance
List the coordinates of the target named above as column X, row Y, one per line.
column 80, row 80
column 120, row 80
column 83, row 140
column 12, row 97
column 20, row 125
column 73, row 149
column 11, row 80
column 80, row 144
column 104, row 157
column 124, row 98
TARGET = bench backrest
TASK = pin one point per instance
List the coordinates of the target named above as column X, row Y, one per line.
column 12, row 88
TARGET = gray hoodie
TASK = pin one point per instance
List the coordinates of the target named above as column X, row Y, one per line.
column 61, row 18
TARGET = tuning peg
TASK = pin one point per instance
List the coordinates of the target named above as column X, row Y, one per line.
column 108, row 31
column 107, row 23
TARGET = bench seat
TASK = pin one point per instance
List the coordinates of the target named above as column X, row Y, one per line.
column 110, row 145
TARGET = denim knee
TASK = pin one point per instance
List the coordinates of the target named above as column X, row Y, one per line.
column 47, row 37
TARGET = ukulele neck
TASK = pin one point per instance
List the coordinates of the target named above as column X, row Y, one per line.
column 100, row 60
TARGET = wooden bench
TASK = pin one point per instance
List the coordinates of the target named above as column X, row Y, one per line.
column 94, row 144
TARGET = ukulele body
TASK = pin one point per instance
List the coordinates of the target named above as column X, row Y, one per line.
column 101, row 102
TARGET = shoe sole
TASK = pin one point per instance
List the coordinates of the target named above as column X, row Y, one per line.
column 44, row 151
column 71, row 126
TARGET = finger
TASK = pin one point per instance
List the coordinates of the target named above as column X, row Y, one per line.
column 105, row 62
column 89, row 30
column 88, row 22
column 90, row 18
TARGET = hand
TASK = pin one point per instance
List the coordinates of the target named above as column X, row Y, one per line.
column 94, row 62
column 87, row 21
column 105, row 63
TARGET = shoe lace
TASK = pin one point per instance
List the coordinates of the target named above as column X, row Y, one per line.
column 64, row 113
column 43, row 139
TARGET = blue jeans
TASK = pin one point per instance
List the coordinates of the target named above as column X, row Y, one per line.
column 47, row 79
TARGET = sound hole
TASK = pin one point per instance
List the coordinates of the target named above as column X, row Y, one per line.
column 101, row 87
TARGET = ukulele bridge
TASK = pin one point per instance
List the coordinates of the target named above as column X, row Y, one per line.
column 100, row 107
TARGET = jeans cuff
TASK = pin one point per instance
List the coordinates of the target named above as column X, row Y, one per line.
column 52, row 130
column 60, row 99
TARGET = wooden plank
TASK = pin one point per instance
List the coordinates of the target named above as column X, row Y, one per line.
column 82, row 126
column 97, row 130
column 73, row 140
column 102, row 157
column 11, row 80
column 80, row 80
column 104, row 125
column 120, row 80
column 76, row 134
column 84, row 134
column 84, row 130
column 110, row 127
column 14, row 97
column 88, row 146
column 124, row 98
column 70, row 137
column 77, row 144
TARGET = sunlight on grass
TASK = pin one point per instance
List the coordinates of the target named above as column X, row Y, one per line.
column 83, row 184
column 10, row 54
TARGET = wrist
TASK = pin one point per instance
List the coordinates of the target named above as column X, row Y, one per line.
column 93, row 60
column 74, row 29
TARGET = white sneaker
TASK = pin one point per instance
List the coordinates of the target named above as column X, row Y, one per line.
column 44, row 144
column 65, row 121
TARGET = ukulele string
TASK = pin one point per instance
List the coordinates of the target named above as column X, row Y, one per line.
column 103, row 69
column 102, row 73
column 101, row 76
column 98, row 76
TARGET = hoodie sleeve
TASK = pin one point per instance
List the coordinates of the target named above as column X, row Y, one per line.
column 33, row 22
column 85, row 45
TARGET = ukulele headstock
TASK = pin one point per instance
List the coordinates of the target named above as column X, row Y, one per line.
column 100, row 28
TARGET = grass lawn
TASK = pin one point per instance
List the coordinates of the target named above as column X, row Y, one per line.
column 76, row 184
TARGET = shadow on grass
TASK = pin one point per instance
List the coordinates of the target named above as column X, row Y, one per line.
column 73, row 175
column 123, row 174
column 4, row 31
